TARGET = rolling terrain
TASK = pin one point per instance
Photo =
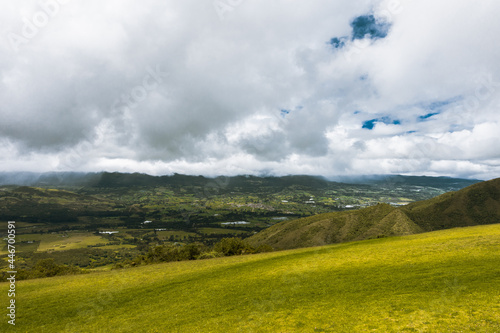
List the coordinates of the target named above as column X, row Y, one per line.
column 475, row 205
column 442, row 281
column 62, row 216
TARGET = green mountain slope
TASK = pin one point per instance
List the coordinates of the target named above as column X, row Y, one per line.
column 475, row 205
column 444, row 281
column 373, row 222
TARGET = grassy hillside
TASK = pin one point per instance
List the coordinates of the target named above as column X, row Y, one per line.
column 444, row 281
column 373, row 222
column 475, row 205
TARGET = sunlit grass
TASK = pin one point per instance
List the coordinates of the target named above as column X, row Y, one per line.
column 57, row 242
column 117, row 247
column 446, row 281
column 60, row 242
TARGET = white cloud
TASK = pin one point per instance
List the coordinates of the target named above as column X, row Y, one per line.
column 79, row 95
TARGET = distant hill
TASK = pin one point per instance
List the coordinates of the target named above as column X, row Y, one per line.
column 445, row 183
column 475, row 205
column 50, row 205
column 49, row 178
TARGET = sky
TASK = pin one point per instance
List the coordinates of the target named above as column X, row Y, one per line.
column 231, row 87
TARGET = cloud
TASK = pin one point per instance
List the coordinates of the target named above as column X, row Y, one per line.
column 281, row 87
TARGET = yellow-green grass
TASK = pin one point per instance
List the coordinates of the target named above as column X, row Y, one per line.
column 55, row 242
column 102, row 268
column 21, row 247
column 444, row 281
column 60, row 242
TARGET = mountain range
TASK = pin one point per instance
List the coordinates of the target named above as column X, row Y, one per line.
column 116, row 180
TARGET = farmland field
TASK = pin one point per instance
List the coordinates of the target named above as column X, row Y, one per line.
column 56, row 242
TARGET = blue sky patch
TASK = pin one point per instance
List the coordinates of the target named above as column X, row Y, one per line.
column 427, row 116
column 363, row 26
column 338, row 43
column 366, row 25
column 438, row 105
column 284, row 113
column 370, row 124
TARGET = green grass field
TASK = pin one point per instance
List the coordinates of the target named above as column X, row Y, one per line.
column 55, row 242
column 444, row 281
column 60, row 242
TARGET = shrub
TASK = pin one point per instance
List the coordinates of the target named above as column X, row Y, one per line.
column 264, row 248
column 233, row 246
column 174, row 253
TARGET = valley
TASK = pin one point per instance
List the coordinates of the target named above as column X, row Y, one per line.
column 99, row 221
column 130, row 253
